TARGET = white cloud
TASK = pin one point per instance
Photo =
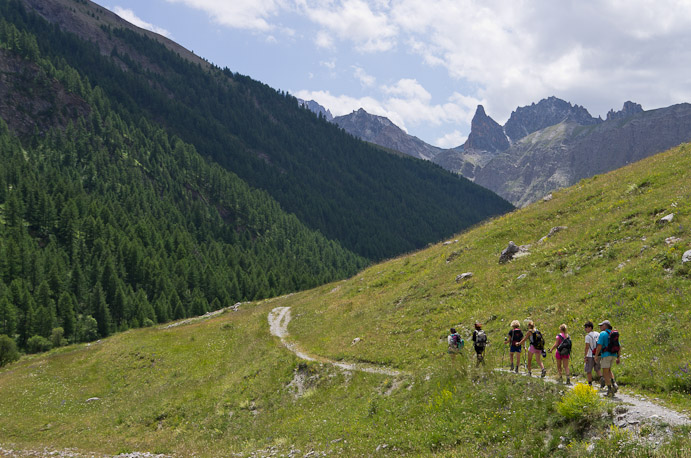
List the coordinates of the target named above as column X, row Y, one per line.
column 451, row 140
column 365, row 79
column 240, row 14
column 132, row 18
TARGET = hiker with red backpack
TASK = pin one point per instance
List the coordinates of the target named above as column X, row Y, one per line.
column 537, row 348
column 607, row 352
column 563, row 346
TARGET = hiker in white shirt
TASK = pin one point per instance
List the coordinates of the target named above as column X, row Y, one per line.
column 590, row 346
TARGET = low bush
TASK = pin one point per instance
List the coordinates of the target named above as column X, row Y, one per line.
column 8, row 350
column 582, row 404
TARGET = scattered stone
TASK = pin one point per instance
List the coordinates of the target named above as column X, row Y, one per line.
column 93, row 399
column 547, row 198
column 450, row 242
column 672, row 240
column 356, row 341
column 522, row 276
column 667, row 219
column 552, row 231
column 507, row 254
column 464, row 276
column 686, row 257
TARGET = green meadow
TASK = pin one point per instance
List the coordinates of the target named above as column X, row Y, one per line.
column 225, row 387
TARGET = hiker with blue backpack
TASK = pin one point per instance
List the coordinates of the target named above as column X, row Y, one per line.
column 480, row 342
column 456, row 344
column 607, row 351
column 563, row 346
column 537, row 348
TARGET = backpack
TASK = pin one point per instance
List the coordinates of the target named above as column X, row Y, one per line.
column 457, row 341
column 564, row 347
column 613, row 344
column 480, row 339
column 537, row 340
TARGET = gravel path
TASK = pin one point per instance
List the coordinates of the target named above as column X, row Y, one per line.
column 278, row 323
column 633, row 409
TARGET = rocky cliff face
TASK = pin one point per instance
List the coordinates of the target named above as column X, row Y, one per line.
column 629, row 110
column 562, row 155
column 31, row 101
column 548, row 112
column 381, row 131
column 485, row 134
column 317, row 109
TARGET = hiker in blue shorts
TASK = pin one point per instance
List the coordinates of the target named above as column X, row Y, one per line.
column 515, row 337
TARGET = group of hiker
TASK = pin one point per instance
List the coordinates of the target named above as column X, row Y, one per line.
column 601, row 350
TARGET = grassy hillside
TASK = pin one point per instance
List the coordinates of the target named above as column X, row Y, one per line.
column 224, row 385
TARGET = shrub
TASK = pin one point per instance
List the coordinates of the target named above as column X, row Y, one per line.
column 8, row 350
column 38, row 344
column 57, row 338
column 582, row 404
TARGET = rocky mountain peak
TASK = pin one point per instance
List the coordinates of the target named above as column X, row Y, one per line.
column 317, row 109
column 485, row 134
column 629, row 109
column 548, row 112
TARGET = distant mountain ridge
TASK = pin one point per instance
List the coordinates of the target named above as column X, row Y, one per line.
column 543, row 146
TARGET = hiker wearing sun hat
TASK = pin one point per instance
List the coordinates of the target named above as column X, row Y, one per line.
column 607, row 352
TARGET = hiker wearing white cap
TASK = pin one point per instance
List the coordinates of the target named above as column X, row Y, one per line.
column 607, row 352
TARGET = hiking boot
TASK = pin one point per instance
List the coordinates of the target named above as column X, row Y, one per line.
column 530, row 373
column 610, row 391
column 568, row 380
column 543, row 373
column 590, row 384
column 615, row 387
column 511, row 368
column 602, row 383
column 560, row 380
column 517, row 369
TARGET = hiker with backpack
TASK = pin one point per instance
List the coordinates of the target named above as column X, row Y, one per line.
column 589, row 357
column 607, row 351
column 456, row 343
column 480, row 341
column 515, row 336
column 537, row 347
column 563, row 346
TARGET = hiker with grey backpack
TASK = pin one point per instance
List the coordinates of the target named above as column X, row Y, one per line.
column 563, row 346
column 480, row 342
column 537, row 348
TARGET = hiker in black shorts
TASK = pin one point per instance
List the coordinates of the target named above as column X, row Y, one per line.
column 480, row 341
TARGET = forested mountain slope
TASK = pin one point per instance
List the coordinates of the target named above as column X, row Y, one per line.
column 107, row 224
column 373, row 203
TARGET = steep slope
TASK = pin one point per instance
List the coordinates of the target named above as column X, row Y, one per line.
column 108, row 225
column 222, row 386
column 373, row 203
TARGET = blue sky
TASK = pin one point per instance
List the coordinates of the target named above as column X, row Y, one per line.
column 426, row 65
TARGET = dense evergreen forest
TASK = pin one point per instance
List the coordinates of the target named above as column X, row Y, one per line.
column 376, row 204
column 131, row 196
column 108, row 225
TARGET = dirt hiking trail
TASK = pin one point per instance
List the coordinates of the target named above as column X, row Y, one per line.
column 278, row 323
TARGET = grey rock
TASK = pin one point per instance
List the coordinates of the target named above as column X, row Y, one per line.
column 552, row 231
column 508, row 253
column 686, row 257
column 464, row 276
column 93, row 399
column 667, row 219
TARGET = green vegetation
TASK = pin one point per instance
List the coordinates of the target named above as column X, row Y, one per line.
column 375, row 204
column 223, row 385
column 109, row 225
